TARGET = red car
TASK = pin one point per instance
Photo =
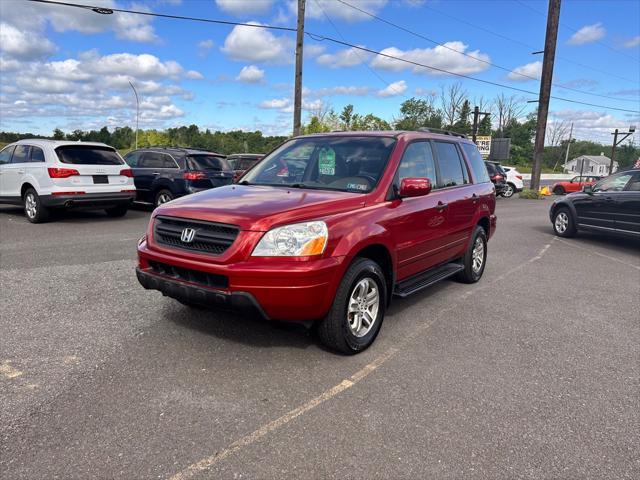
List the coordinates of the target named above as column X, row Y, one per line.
column 357, row 218
column 574, row 185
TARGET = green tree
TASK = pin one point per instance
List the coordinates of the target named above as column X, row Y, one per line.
column 58, row 134
column 416, row 113
column 463, row 125
column 346, row 117
column 484, row 127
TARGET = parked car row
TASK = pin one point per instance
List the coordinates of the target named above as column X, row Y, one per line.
column 47, row 175
column 507, row 180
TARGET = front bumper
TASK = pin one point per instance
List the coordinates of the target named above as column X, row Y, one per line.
column 281, row 289
column 236, row 301
column 88, row 200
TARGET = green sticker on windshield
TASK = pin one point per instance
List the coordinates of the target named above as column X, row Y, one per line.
column 327, row 162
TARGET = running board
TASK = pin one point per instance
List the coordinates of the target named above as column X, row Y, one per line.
column 426, row 279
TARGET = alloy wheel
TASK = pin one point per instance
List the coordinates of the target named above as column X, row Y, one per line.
column 364, row 304
column 477, row 256
column 30, row 205
column 562, row 222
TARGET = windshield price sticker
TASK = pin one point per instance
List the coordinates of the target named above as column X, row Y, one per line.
column 327, row 162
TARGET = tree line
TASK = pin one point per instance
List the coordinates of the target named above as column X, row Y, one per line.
column 449, row 109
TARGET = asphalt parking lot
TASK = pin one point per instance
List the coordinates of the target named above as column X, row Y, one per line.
column 531, row 373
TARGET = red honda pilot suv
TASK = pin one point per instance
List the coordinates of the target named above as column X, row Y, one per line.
column 328, row 228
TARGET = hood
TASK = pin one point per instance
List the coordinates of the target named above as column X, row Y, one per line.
column 259, row 208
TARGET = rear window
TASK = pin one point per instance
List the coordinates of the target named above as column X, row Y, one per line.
column 478, row 167
column 88, row 155
column 207, row 162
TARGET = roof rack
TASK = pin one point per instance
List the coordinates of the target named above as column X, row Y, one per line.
column 443, row 132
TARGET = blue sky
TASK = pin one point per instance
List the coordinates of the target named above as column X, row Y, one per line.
column 69, row 68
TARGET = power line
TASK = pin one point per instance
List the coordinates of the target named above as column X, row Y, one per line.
column 568, row 27
column 526, row 45
column 320, row 38
column 512, row 71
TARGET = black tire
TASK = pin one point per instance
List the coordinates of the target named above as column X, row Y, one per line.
column 162, row 196
column 334, row 330
column 559, row 191
column 563, row 223
column 119, row 211
column 471, row 274
column 33, row 208
column 509, row 190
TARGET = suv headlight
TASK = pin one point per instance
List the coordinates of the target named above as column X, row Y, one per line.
column 296, row 240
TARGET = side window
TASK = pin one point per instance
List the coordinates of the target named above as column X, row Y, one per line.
column 151, row 160
column 131, row 159
column 478, row 167
column 449, row 161
column 634, row 184
column 417, row 162
column 168, row 162
column 20, row 154
column 5, row 154
column 614, row 183
column 37, row 155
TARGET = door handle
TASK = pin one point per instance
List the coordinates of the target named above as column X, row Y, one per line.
column 20, row 171
column 609, row 199
column 474, row 198
column 155, row 173
column 442, row 206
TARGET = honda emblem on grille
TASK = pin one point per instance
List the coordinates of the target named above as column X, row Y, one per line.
column 188, row 234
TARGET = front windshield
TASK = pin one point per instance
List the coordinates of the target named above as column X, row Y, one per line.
column 349, row 164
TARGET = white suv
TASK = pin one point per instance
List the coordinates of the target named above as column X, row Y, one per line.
column 514, row 181
column 45, row 174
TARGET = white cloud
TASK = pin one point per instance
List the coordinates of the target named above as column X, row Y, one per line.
column 338, row 90
column 591, row 125
column 442, row 57
column 632, row 42
column 313, row 50
column 316, row 9
column 251, row 74
column 21, row 45
column 587, row 34
column 194, row 75
column 204, row 47
column 533, row 69
column 244, row 7
column 258, row 45
column 138, row 66
column 276, row 103
column 393, row 89
column 349, row 57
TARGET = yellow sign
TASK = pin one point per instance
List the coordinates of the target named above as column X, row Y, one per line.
column 484, row 145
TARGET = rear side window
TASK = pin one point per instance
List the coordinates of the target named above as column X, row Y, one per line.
column 88, row 155
column 20, row 154
column 634, row 184
column 5, row 154
column 37, row 155
column 131, row 159
column 478, row 167
column 417, row 162
column 450, row 163
column 206, row 162
column 156, row 160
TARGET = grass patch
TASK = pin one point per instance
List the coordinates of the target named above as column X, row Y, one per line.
column 529, row 194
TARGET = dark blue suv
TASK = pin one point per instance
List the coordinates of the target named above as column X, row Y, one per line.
column 162, row 174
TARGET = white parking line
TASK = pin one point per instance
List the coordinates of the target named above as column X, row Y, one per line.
column 208, row 462
column 595, row 252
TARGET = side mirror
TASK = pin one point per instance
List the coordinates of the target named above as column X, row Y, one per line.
column 414, row 187
column 587, row 189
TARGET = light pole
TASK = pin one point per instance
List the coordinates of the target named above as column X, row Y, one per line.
column 617, row 142
column 137, row 111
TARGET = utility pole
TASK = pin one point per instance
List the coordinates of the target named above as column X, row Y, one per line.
column 476, row 115
column 297, row 96
column 617, row 142
column 137, row 111
column 553, row 18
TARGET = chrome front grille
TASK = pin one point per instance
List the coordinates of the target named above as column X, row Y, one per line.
column 211, row 238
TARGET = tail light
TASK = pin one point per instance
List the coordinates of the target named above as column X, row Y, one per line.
column 497, row 178
column 126, row 172
column 62, row 172
column 67, row 193
column 519, row 177
column 194, row 176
